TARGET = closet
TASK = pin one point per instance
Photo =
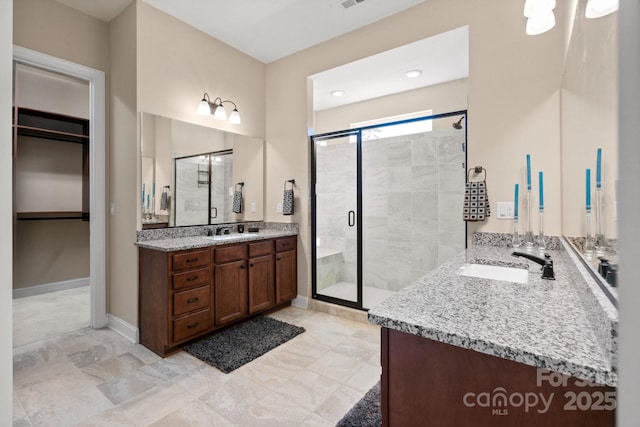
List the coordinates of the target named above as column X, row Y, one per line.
column 50, row 182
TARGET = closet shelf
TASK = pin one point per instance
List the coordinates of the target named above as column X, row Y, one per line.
column 52, row 134
column 40, row 216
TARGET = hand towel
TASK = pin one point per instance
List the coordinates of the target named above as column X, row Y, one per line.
column 287, row 202
column 237, row 200
column 476, row 200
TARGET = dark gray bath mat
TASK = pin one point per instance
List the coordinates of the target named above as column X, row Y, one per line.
column 240, row 344
column 365, row 413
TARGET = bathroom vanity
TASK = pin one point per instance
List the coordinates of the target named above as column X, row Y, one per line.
column 192, row 286
column 460, row 350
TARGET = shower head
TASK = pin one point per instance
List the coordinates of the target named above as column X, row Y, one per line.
column 458, row 124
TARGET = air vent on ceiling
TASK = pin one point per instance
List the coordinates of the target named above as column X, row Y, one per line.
column 348, row 3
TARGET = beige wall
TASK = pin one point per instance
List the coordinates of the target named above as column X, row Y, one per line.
column 6, row 214
column 124, row 168
column 513, row 103
column 589, row 119
column 177, row 64
column 442, row 98
column 248, row 167
column 49, row 27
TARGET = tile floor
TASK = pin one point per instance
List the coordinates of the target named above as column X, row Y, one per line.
column 98, row 378
column 47, row 315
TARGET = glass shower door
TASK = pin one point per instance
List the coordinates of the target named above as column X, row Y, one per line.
column 337, row 218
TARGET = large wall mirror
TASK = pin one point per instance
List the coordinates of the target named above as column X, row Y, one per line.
column 191, row 174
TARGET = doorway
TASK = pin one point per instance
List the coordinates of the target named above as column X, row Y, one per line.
column 94, row 205
column 387, row 205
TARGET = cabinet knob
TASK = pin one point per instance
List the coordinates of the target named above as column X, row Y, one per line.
column 242, row 267
column 279, row 258
column 251, row 265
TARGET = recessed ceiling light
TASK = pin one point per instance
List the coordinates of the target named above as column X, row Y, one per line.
column 413, row 73
column 337, row 92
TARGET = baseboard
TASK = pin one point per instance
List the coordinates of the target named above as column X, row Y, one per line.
column 124, row 328
column 51, row 287
column 300, row 302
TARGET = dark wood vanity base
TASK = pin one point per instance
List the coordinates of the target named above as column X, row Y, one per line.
column 185, row 295
column 425, row 382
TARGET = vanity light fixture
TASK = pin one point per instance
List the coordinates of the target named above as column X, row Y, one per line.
column 215, row 108
column 412, row 73
column 540, row 17
column 598, row 8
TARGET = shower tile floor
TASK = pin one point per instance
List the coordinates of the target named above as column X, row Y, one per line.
column 348, row 291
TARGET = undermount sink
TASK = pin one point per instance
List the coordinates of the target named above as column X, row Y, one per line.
column 494, row 272
column 225, row 237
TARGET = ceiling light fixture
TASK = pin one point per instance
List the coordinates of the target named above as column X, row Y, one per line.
column 413, row 73
column 215, row 108
column 337, row 92
column 598, row 8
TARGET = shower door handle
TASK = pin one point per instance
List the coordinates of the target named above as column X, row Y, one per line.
column 214, row 210
column 351, row 218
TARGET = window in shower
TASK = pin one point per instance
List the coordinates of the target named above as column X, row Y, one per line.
column 387, row 210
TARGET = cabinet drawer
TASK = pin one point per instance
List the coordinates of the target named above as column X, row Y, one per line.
column 230, row 253
column 191, row 326
column 191, row 300
column 190, row 279
column 286, row 244
column 193, row 259
column 260, row 248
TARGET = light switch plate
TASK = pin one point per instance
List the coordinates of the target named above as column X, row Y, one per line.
column 505, row 210
column 279, row 207
column 253, row 206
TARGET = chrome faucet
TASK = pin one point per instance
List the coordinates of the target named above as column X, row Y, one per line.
column 546, row 263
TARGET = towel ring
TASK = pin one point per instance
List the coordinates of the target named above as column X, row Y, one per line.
column 477, row 170
column 292, row 181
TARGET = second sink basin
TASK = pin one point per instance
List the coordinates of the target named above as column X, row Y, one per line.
column 494, row 272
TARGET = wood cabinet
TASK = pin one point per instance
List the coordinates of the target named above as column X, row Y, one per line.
column 286, row 269
column 261, row 276
column 448, row 385
column 231, row 295
column 185, row 295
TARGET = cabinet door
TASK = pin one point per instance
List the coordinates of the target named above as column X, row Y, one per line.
column 230, row 295
column 261, row 283
column 286, row 276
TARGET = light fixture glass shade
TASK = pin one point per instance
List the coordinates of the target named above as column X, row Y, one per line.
column 234, row 117
column 541, row 24
column 535, row 8
column 598, row 8
column 203, row 108
column 220, row 113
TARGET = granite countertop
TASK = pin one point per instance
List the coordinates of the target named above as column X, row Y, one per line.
column 543, row 323
column 194, row 242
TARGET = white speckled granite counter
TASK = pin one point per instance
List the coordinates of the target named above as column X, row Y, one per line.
column 557, row 325
column 183, row 238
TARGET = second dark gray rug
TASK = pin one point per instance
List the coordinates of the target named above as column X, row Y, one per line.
column 365, row 413
column 240, row 344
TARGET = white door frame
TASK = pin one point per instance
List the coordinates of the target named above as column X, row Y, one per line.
column 97, row 169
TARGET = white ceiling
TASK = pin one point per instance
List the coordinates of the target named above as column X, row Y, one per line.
column 272, row 29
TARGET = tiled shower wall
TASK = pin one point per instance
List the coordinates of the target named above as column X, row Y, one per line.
column 413, row 188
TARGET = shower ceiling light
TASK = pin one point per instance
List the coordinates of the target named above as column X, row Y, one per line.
column 206, row 107
column 598, row 8
column 541, row 24
column 337, row 92
column 413, row 73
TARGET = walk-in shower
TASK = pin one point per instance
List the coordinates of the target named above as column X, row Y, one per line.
column 386, row 207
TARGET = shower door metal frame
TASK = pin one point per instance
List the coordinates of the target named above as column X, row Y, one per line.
column 357, row 132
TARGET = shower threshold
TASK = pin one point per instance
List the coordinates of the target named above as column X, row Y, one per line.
column 348, row 291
